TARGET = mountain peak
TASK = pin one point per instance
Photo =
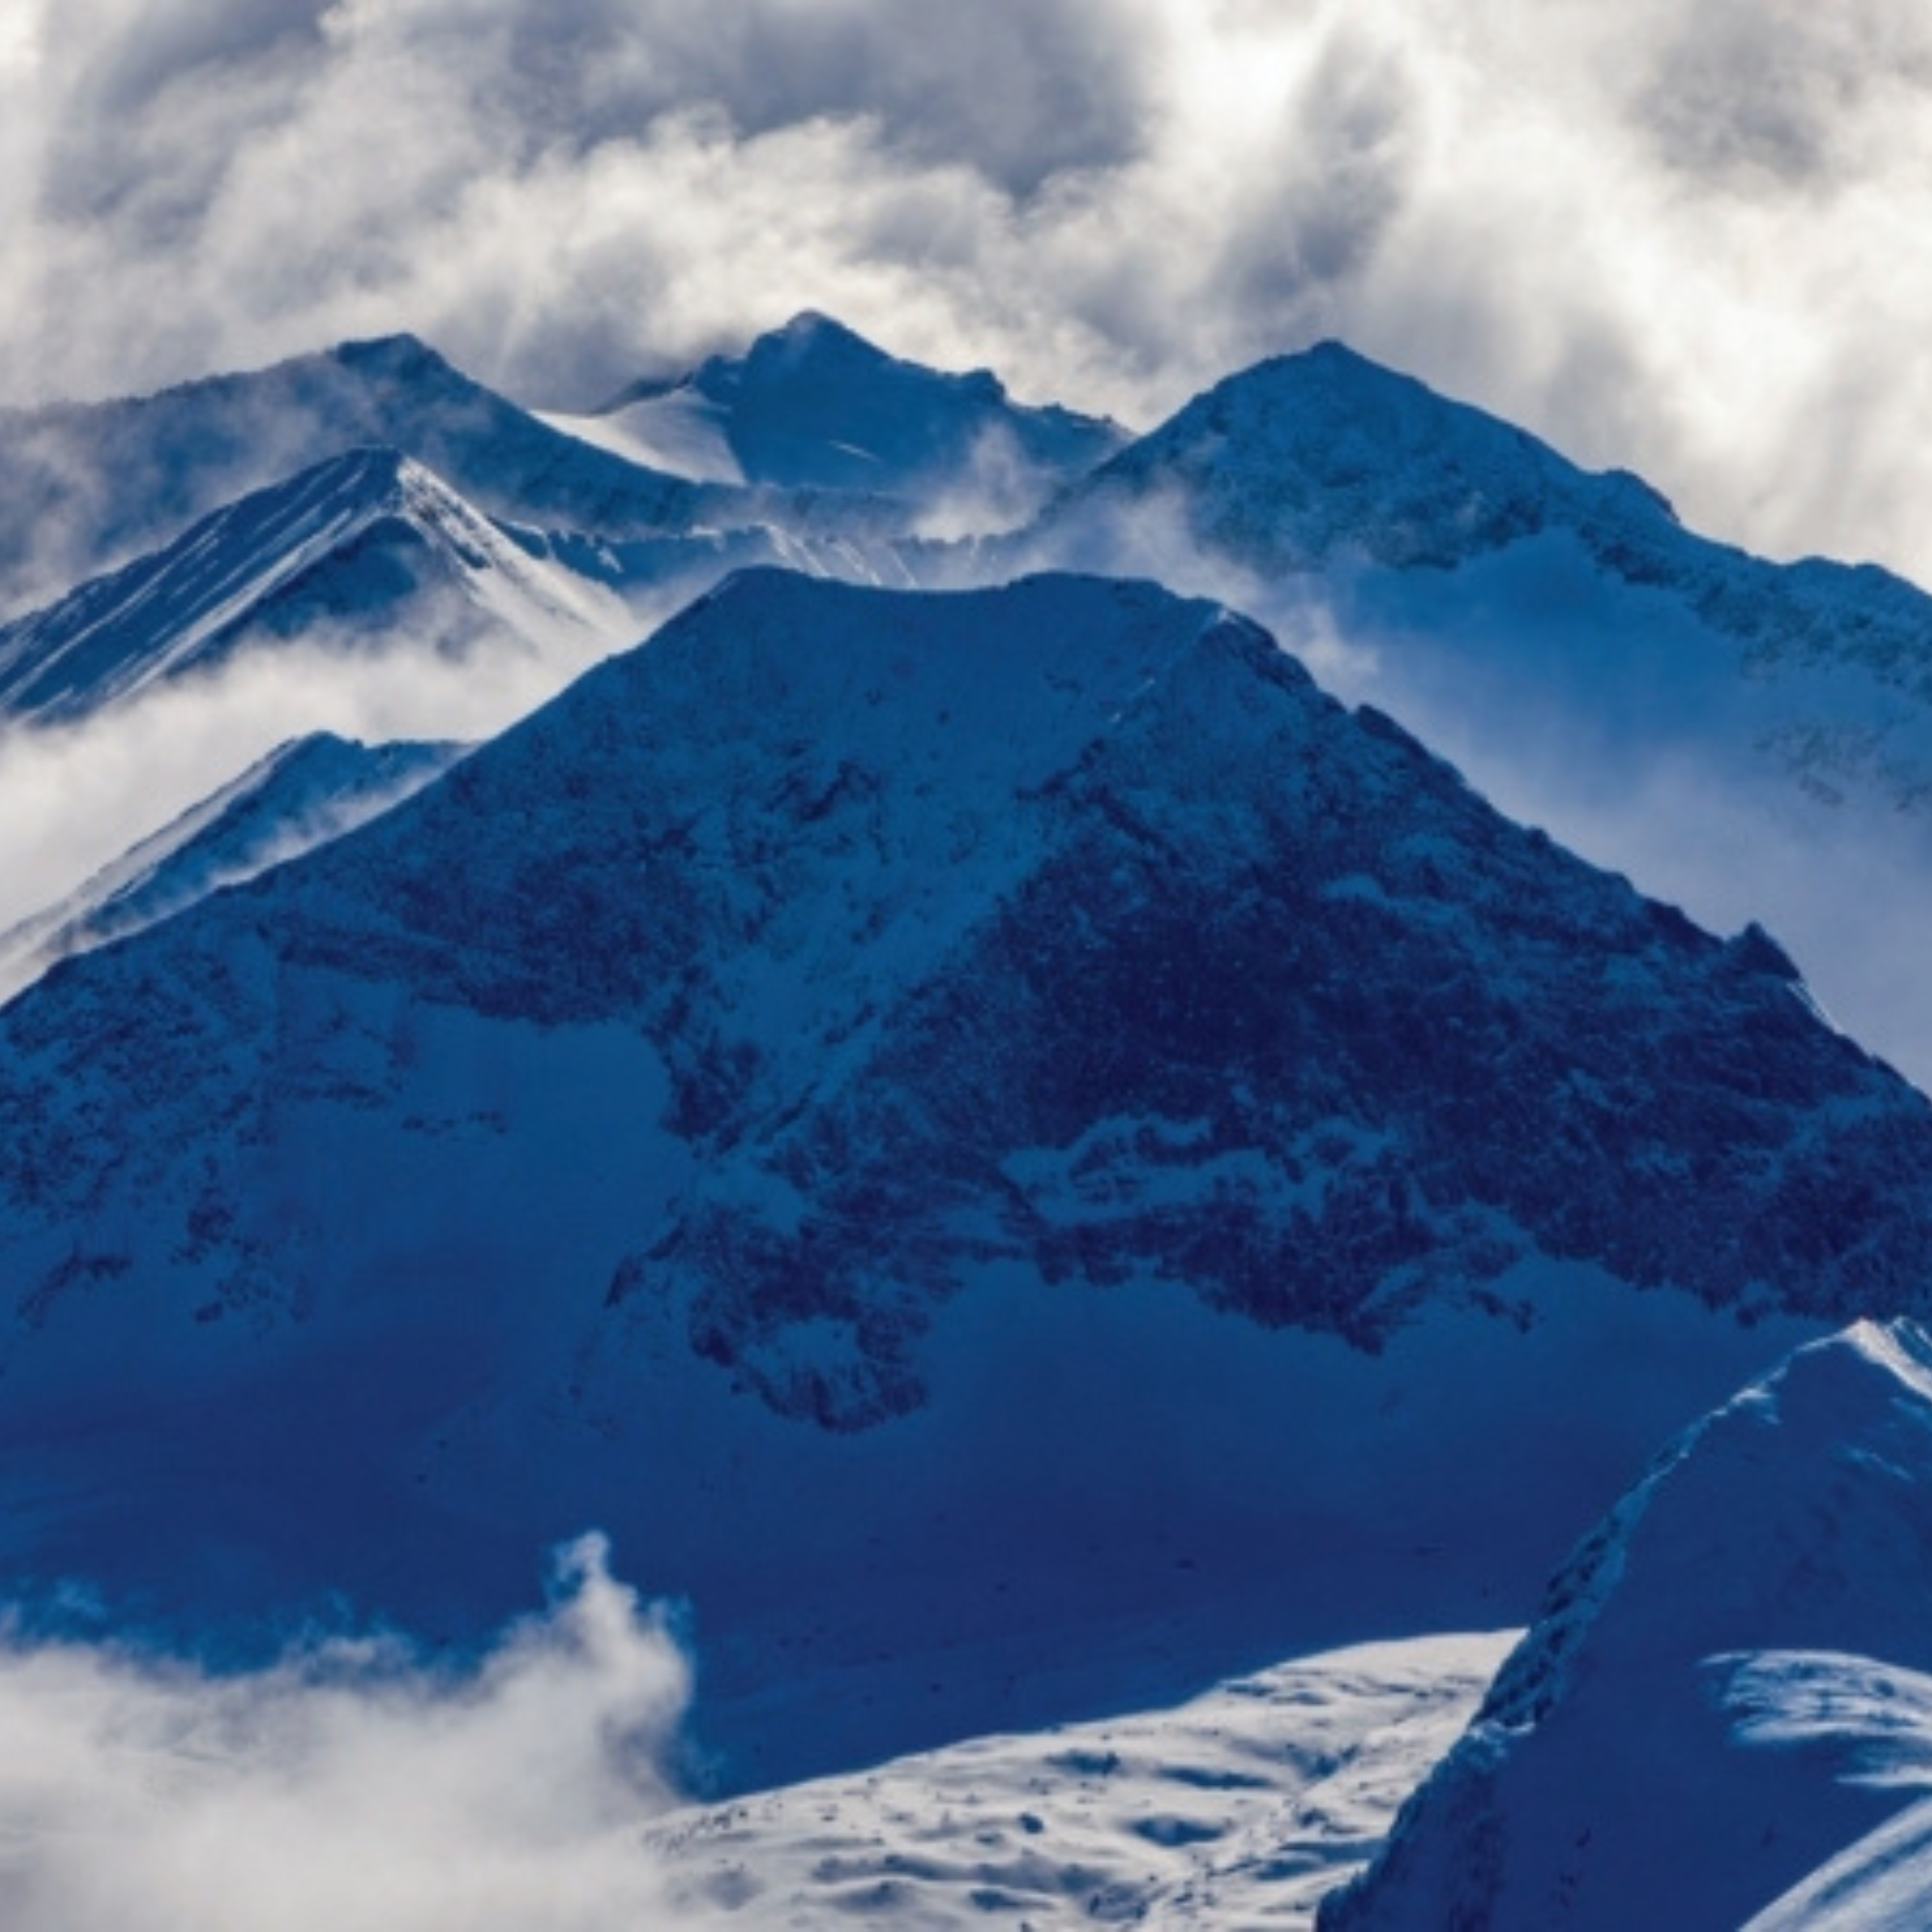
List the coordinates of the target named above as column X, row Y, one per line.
column 910, row 1003
column 813, row 405
column 813, row 328
column 1326, row 454
column 398, row 355
column 357, row 539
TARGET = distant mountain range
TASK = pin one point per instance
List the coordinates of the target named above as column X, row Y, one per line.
column 812, row 405
column 344, row 555
column 1751, row 739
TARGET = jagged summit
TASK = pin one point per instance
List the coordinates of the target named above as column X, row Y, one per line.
column 368, row 547
column 399, row 355
column 85, row 486
column 1324, row 456
column 814, row 404
column 814, row 346
column 813, row 333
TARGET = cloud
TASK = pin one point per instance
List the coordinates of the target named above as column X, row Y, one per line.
column 1685, row 241
column 75, row 796
column 1765, row 97
column 352, row 1783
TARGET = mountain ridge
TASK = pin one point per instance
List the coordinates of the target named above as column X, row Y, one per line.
column 814, row 404
column 358, row 545
column 862, row 1051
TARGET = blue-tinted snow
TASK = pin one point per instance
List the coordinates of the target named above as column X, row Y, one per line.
column 1723, row 1704
column 669, row 1118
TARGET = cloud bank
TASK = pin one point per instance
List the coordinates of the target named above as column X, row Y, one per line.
column 1680, row 239
column 352, row 1783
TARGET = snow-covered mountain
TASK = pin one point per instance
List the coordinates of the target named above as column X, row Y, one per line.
column 815, row 405
column 1015, row 1153
column 300, row 796
column 1326, row 457
column 1725, row 1708
column 1749, row 738
column 1724, row 728
column 84, row 487
column 813, row 432
column 366, row 551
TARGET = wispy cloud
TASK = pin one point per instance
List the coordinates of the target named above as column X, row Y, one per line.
column 1686, row 241
column 75, row 796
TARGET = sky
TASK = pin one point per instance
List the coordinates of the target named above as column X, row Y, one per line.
column 1687, row 240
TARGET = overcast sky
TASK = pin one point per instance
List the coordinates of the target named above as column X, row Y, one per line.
column 1689, row 240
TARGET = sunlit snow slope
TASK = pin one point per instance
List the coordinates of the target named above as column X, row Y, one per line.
column 86, row 486
column 1241, row 1807
column 367, row 551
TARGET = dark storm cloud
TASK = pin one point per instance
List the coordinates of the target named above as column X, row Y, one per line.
column 117, row 82
column 1016, row 89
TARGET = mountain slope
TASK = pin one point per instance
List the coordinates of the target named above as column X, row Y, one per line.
column 1163, row 1817
column 366, row 549
column 84, row 487
column 1749, row 1620
column 812, row 405
column 1010, row 1150
column 300, row 796
column 1739, row 734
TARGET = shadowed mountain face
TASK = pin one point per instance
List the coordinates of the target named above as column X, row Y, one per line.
column 1324, row 462
column 822, row 1095
column 1749, row 739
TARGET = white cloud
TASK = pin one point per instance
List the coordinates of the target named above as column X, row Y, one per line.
column 75, row 796
column 1688, row 242
column 350, row 1783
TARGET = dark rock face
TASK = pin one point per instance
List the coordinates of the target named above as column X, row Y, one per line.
column 1069, row 924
